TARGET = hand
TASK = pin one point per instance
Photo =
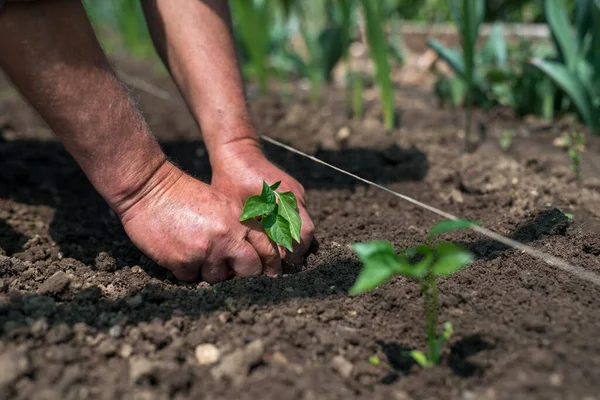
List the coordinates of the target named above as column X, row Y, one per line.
column 239, row 170
column 194, row 230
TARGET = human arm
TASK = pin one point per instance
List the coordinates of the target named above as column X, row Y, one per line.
column 194, row 40
column 49, row 51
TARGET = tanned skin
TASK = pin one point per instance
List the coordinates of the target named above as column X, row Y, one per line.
column 51, row 54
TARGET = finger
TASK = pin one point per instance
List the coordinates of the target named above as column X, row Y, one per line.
column 187, row 274
column 244, row 260
column 217, row 271
column 306, row 236
column 265, row 248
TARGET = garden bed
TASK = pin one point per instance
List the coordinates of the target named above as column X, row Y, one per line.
column 84, row 315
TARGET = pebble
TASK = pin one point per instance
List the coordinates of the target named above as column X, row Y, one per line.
column 279, row 358
column 207, row 354
column 55, row 285
column 116, row 331
column 126, row 350
column 342, row 366
column 236, row 366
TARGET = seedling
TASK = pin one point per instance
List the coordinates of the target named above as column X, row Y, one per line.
column 506, row 139
column 574, row 143
column 278, row 213
column 424, row 264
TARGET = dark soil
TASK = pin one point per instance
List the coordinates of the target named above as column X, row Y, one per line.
column 84, row 315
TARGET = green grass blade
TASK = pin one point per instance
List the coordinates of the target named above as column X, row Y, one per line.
column 557, row 17
column 378, row 48
column 452, row 57
column 574, row 88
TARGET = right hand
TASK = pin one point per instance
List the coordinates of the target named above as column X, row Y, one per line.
column 193, row 230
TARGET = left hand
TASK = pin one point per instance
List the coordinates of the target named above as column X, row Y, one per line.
column 239, row 170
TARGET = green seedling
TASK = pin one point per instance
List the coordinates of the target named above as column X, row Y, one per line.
column 574, row 143
column 506, row 138
column 278, row 213
column 424, row 264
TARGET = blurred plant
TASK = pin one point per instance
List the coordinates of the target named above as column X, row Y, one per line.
column 424, row 263
column 468, row 17
column 574, row 143
column 506, row 138
column 379, row 51
column 253, row 24
column 577, row 69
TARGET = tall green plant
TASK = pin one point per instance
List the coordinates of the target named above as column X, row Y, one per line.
column 577, row 69
column 253, row 21
column 379, row 51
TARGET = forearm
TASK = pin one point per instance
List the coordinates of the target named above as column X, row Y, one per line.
column 201, row 56
column 51, row 54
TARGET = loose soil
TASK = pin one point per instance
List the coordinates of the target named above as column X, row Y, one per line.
column 83, row 314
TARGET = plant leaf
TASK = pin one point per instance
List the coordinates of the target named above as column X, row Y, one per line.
column 450, row 259
column 256, row 206
column 494, row 50
column 574, row 88
column 420, row 268
column 452, row 57
column 450, row 225
column 380, row 264
column 288, row 209
column 268, row 194
column 275, row 186
column 421, row 358
column 557, row 17
column 278, row 229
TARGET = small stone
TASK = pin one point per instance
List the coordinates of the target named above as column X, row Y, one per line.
column 207, row 354
column 401, row 395
column 55, row 285
column 107, row 348
column 116, row 331
column 279, row 358
column 126, row 350
column 556, row 380
column 343, row 134
column 342, row 366
column 138, row 368
column 135, row 301
column 225, row 317
column 236, row 366
column 136, row 269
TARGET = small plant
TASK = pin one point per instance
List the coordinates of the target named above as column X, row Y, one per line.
column 278, row 213
column 506, row 138
column 576, row 71
column 424, row 263
column 379, row 51
column 574, row 143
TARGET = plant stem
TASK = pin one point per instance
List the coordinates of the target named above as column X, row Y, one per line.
column 429, row 290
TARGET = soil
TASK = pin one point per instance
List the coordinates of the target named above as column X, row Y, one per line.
column 83, row 314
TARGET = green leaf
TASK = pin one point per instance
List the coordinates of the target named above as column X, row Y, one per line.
column 450, row 259
column 256, row 206
column 421, row 359
column 557, row 17
column 275, row 186
column 574, row 88
column 450, row 225
column 452, row 57
column 268, row 194
column 374, row 360
column 278, row 229
column 420, row 268
column 494, row 50
column 380, row 264
column 288, row 209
